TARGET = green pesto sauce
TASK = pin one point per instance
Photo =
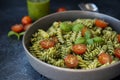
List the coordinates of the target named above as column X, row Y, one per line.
column 38, row 8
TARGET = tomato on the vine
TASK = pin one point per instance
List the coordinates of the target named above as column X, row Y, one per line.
column 71, row 61
column 26, row 27
column 61, row 9
column 26, row 20
column 104, row 58
column 17, row 28
column 79, row 48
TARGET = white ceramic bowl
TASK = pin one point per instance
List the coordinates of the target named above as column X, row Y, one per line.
column 57, row 73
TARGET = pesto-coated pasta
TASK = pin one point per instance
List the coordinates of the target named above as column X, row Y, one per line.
column 63, row 37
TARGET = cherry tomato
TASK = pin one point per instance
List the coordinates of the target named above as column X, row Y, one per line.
column 79, row 48
column 71, row 61
column 101, row 23
column 17, row 28
column 83, row 31
column 47, row 44
column 55, row 39
column 26, row 27
column 61, row 9
column 104, row 58
column 26, row 20
column 118, row 37
column 117, row 52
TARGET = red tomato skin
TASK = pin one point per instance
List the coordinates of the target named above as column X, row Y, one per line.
column 26, row 20
column 104, row 58
column 118, row 38
column 79, row 48
column 17, row 28
column 101, row 23
column 117, row 52
column 71, row 61
column 26, row 27
column 83, row 31
column 61, row 9
column 46, row 44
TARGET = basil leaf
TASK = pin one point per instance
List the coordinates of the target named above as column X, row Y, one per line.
column 90, row 41
column 65, row 26
column 87, row 34
column 97, row 39
column 12, row 33
column 80, row 40
column 77, row 27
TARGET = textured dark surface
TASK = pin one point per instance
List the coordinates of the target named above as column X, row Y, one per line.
column 13, row 62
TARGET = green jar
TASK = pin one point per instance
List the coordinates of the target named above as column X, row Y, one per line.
column 38, row 8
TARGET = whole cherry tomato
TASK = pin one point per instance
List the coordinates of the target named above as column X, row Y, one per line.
column 47, row 44
column 17, row 28
column 26, row 27
column 117, row 52
column 61, row 9
column 71, row 61
column 26, row 20
column 104, row 58
column 79, row 48
column 101, row 23
column 118, row 37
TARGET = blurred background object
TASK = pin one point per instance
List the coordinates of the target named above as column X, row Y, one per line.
column 88, row 7
column 38, row 8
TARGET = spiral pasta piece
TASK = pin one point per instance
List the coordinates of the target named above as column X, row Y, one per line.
column 82, row 63
column 73, row 36
column 87, row 22
column 91, row 55
column 59, row 35
column 93, row 64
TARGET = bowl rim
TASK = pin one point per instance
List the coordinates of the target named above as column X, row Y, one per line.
column 67, row 69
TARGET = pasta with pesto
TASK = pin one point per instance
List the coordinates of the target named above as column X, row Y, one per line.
column 79, row 44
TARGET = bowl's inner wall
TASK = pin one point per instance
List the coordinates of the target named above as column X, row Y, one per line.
column 46, row 22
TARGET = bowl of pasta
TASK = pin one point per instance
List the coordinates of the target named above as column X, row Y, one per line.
column 74, row 45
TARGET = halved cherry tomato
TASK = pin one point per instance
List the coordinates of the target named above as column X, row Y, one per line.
column 118, row 37
column 26, row 20
column 101, row 23
column 104, row 58
column 83, row 31
column 61, row 9
column 17, row 28
column 117, row 52
column 26, row 27
column 79, row 48
column 71, row 61
column 47, row 44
